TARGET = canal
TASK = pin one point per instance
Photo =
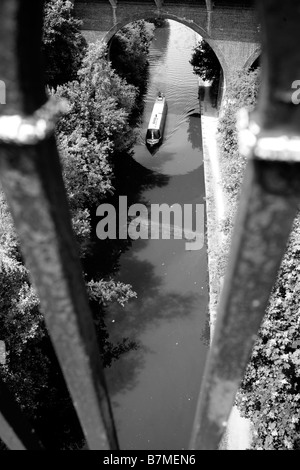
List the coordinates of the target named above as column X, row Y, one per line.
column 154, row 388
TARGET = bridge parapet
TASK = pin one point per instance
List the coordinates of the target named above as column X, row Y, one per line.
column 230, row 27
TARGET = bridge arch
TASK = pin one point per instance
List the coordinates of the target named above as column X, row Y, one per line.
column 168, row 16
column 253, row 57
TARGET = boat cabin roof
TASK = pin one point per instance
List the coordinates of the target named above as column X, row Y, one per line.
column 157, row 112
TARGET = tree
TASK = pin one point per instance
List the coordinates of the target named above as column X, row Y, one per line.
column 95, row 131
column 63, row 44
column 270, row 392
column 91, row 137
column 241, row 93
column 129, row 52
column 31, row 371
column 21, row 322
column 158, row 22
column 205, row 62
column 93, row 134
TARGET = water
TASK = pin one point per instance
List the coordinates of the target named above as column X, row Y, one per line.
column 154, row 389
column 171, row 73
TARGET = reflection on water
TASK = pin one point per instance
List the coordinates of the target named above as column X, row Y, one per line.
column 171, row 73
column 175, row 156
column 154, row 389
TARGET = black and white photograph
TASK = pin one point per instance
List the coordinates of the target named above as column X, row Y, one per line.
column 149, row 228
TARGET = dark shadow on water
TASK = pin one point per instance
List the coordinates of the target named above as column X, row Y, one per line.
column 131, row 180
column 160, row 44
column 160, row 300
column 153, row 305
column 170, row 163
column 194, row 131
column 127, row 377
column 205, row 333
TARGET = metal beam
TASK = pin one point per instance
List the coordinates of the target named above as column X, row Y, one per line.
column 268, row 205
column 32, row 180
column 159, row 3
column 271, row 195
column 114, row 4
column 209, row 5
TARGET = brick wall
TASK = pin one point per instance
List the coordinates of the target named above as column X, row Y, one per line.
column 228, row 24
column 96, row 16
column 232, row 32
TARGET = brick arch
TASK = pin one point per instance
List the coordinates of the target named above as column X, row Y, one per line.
column 190, row 24
column 250, row 61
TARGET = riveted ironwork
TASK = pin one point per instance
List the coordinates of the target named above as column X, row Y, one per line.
column 31, row 177
column 268, row 205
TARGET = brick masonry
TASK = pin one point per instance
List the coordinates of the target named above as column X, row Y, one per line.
column 233, row 33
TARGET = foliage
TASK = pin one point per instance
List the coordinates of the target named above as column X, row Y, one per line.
column 108, row 291
column 8, row 240
column 129, row 52
column 93, row 134
column 205, row 62
column 100, row 101
column 91, row 137
column 158, row 22
column 63, row 44
column 20, row 320
column 270, row 393
column 95, row 130
column 241, row 93
column 101, row 294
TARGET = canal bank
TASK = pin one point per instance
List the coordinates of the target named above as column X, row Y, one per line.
column 238, row 433
column 215, row 198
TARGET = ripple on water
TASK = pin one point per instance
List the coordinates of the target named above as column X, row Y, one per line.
column 171, row 73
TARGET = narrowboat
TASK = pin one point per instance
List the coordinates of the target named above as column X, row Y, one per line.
column 157, row 121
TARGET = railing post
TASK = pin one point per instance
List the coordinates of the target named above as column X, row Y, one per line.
column 31, row 177
column 269, row 202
